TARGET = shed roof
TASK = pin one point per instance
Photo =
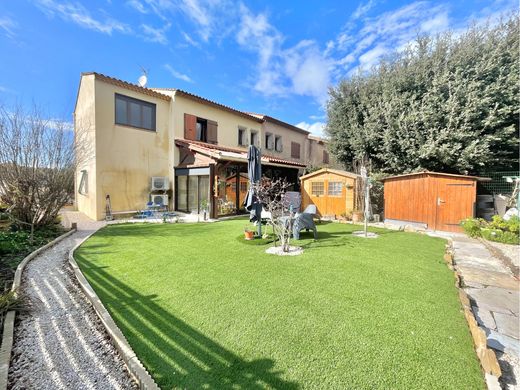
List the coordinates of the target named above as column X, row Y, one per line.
column 329, row 170
column 404, row 175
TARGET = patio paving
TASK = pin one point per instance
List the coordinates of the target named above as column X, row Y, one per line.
column 494, row 291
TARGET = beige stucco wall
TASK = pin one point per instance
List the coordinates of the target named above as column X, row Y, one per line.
column 128, row 157
column 288, row 136
column 85, row 140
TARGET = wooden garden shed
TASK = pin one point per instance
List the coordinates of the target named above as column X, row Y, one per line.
column 431, row 200
column 330, row 190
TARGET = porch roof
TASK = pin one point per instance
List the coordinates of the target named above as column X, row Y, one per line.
column 219, row 153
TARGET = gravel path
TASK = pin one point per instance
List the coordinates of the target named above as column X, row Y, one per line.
column 60, row 343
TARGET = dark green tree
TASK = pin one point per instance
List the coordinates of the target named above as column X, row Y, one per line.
column 447, row 103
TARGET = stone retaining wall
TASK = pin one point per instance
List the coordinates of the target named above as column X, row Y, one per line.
column 486, row 356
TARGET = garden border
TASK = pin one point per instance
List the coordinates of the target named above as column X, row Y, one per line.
column 487, row 357
column 132, row 362
column 8, row 333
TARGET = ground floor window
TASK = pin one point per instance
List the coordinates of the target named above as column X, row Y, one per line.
column 192, row 190
column 232, row 189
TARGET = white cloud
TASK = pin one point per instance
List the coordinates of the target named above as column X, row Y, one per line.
column 363, row 8
column 7, row 26
column 302, row 69
column 137, row 5
column 177, row 74
column 156, row 34
column 77, row 13
column 315, row 128
column 189, row 39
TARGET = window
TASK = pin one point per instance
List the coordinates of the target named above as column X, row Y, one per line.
column 335, row 188
column 201, row 130
column 134, row 112
column 278, row 146
column 83, row 183
column 242, row 137
column 317, row 188
column 254, row 138
column 295, row 150
column 325, row 157
column 269, row 141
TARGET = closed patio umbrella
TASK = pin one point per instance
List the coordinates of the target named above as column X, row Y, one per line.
column 254, row 173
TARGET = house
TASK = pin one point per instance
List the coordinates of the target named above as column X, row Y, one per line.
column 134, row 141
column 332, row 191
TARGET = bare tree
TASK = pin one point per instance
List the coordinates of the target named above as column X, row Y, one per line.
column 37, row 165
column 271, row 193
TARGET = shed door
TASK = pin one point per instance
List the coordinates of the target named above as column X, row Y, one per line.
column 455, row 202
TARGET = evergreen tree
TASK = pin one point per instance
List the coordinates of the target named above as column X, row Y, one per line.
column 447, row 103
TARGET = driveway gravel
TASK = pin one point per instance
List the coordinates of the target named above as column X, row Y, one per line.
column 60, row 343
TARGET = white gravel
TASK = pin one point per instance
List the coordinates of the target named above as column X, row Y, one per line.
column 60, row 343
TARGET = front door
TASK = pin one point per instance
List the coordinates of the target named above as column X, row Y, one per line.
column 454, row 203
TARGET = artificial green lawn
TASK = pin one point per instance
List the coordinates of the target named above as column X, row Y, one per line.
column 203, row 309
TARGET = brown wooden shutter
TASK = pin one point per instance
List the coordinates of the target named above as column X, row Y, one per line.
column 190, row 127
column 212, row 132
column 295, row 150
column 325, row 157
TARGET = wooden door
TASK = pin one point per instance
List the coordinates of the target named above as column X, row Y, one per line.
column 316, row 191
column 454, row 202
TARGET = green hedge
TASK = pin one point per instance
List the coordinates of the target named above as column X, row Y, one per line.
column 498, row 229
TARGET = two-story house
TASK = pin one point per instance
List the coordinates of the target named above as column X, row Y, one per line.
column 134, row 141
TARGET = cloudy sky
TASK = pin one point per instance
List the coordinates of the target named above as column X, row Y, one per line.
column 275, row 57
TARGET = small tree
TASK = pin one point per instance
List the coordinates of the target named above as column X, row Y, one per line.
column 37, row 160
column 271, row 193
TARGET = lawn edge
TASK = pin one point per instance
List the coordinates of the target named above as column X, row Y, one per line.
column 486, row 356
column 132, row 362
column 8, row 333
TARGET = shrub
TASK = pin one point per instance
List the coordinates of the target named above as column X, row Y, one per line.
column 472, row 226
column 498, row 229
column 505, row 237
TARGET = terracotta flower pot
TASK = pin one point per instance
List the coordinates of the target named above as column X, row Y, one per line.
column 248, row 235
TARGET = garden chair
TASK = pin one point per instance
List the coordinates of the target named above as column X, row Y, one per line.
column 305, row 221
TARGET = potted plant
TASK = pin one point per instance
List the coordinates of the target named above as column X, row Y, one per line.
column 248, row 233
column 357, row 216
column 204, row 208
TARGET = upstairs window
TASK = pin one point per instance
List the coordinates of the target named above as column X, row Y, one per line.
column 134, row 112
column 295, row 150
column 278, row 146
column 242, row 137
column 201, row 130
column 269, row 141
column 254, row 138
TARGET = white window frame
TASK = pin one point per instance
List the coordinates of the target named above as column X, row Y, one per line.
column 280, row 144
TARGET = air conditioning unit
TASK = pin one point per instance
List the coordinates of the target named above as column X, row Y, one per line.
column 159, row 200
column 160, row 183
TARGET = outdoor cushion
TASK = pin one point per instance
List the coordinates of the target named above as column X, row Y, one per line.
column 304, row 221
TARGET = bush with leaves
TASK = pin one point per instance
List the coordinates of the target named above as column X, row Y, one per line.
column 448, row 103
column 498, row 229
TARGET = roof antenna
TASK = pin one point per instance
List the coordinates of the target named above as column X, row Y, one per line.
column 143, row 79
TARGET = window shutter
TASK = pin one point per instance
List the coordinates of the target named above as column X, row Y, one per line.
column 325, row 157
column 212, row 132
column 190, row 126
column 271, row 142
column 295, row 150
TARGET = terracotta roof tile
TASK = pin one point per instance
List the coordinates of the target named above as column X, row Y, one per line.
column 209, row 147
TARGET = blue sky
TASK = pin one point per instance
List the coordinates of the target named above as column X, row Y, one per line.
column 275, row 57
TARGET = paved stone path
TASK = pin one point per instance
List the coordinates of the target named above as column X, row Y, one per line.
column 494, row 291
column 60, row 343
